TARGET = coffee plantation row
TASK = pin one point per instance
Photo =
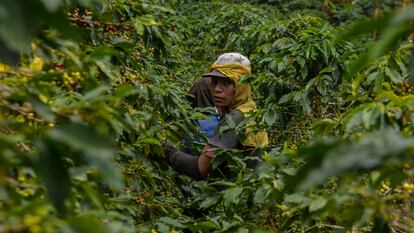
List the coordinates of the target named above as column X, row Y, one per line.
column 89, row 89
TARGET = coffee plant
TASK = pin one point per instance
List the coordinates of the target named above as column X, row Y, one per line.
column 89, row 89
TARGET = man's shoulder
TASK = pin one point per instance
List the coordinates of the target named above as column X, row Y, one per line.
column 236, row 115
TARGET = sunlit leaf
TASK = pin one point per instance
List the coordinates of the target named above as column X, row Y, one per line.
column 317, row 204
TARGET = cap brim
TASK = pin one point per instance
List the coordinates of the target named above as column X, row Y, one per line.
column 214, row 73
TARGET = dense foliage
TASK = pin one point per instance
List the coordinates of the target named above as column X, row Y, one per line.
column 88, row 89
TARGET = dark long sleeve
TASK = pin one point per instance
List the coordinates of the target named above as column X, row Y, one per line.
column 182, row 162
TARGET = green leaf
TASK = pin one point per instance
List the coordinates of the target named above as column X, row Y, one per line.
column 325, row 70
column 285, row 98
column 7, row 55
column 367, row 116
column 42, row 109
column 92, row 95
column 139, row 27
column 162, row 227
column 126, row 90
column 317, row 204
column 394, row 75
column 209, row 201
column 21, row 21
column 388, row 40
column 83, row 138
column 380, row 226
column 230, row 122
column 314, row 155
column 199, row 116
column 278, row 184
column 86, row 3
column 87, row 223
column 305, row 102
column 102, row 59
column 404, row 16
column 304, row 72
column 364, row 27
column 297, row 198
column 147, row 20
column 98, row 148
column 103, row 52
column 231, row 195
column 207, row 225
column 148, row 140
column 301, row 61
column 17, row 24
column 311, row 83
column 324, row 127
column 270, row 116
column 52, row 5
column 355, row 66
column 354, row 117
column 171, row 222
column 368, row 152
column 260, row 195
column 59, row 21
column 297, row 96
column 54, row 174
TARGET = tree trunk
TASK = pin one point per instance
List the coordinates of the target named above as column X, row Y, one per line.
column 376, row 13
column 404, row 5
column 326, row 8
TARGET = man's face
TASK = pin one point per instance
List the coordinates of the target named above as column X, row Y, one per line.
column 223, row 90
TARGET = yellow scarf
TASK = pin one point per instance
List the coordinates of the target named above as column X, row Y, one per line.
column 243, row 101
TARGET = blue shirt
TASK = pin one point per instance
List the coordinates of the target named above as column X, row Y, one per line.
column 206, row 127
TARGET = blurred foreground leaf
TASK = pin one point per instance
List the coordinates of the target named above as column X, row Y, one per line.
column 98, row 148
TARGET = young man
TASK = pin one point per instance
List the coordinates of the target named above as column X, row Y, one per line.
column 234, row 101
column 201, row 97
